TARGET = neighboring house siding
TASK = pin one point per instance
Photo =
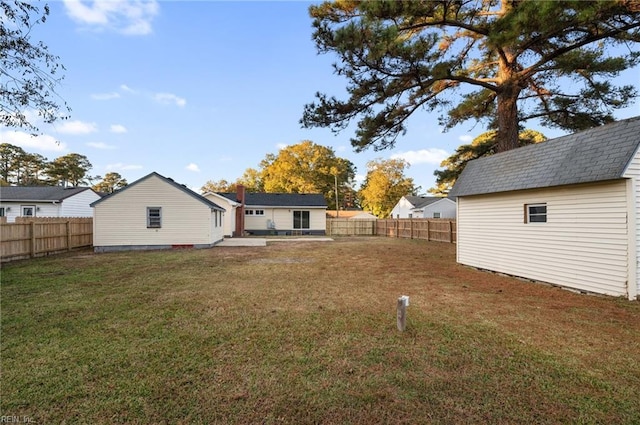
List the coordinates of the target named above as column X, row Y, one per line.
column 122, row 219
column 402, row 209
column 446, row 208
column 583, row 245
column 78, row 205
column 633, row 172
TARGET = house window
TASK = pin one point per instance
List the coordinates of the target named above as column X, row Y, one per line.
column 436, row 215
column 301, row 220
column 28, row 211
column 154, row 217
column 248, row 212
column 535, row 213
column 2, row 213
column 259, row 212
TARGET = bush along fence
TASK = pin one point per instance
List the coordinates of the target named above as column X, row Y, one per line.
column 430, row 229
column 35, row 237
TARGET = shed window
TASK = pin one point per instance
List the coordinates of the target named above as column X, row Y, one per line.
column 536, row 213
column 154, row 217
column 301, row 220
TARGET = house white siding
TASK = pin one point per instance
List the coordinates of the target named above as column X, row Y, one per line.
column 402, row 209
column 121, row 220
column 583, row 245
column 445, row 208
column 282, row 218
column 229, row 216
column 78, row 205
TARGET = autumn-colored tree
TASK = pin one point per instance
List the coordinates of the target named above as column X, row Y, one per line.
column 501, row 62
column 306, row 167
column 69, row 170
column 251, row 180
column 384, row 185
column 110, row 183
column 219, row 186
column 483, row 145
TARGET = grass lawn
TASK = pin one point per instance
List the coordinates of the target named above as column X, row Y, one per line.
column 305, row 332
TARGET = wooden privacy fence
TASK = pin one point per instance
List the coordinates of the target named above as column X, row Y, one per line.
column 34, row 237
column 430, row 229
column 346, row 227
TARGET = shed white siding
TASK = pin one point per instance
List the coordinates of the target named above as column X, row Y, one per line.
column 633, row 173
column 121, row 220
column 583, row 244
column 78, row 205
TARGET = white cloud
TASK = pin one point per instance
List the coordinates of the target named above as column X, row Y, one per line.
column 128, row 17
column 423, row 156
column 193, row 167
column 117, row 128
column 105, row 96
column 127, row 89
column 42, row 142
column 169, row 98
column 466, row 138
column 77, row 127
column 100, row 145
column 123, row 167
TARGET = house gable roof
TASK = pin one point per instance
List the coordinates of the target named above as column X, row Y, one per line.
column 39, row 193
column 169, row 181
column 598, row 154
column 422, row 201
column 281, row 199
column 437, row 201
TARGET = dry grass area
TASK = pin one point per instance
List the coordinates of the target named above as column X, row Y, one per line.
column 305, row 332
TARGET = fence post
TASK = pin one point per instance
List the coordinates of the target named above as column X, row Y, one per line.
column 450, row 232
column 33, row 238
column 410, row 227
column 397, row 222
column 68, row 228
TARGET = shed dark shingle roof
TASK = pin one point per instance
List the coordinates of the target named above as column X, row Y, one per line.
column 38, row 193
column 599, row 154
column 280, row 199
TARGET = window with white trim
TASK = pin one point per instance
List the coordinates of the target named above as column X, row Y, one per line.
column 535, row 213
column 2, row 212
column 154, row 217
column 436, row 215
column 28, row 210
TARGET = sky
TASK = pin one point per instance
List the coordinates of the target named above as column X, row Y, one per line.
column 203, row 90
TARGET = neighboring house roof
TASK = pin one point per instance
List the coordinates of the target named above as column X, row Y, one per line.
column 598, row 154
column 422, row 201
column 433, row 203
column 169, row 181
column 281, row 199
column 39, row 193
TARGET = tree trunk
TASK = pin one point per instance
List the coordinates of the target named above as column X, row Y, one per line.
column 508, row 118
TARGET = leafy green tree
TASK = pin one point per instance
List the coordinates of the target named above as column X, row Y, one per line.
column 69, row 170
column 218, row 186
column 110, row 183
column 28, row 71
column 501, row 62
column 483, row 145
column 32, row 169
column 384, row 185
column 10, row 159
column 306, row 167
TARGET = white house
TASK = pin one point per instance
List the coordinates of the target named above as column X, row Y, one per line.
column 564, row 211
column 424, row 207
column 275, row 213
column 46, row 201
column 155, row 213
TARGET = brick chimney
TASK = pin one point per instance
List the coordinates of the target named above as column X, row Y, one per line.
column 240, row 195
